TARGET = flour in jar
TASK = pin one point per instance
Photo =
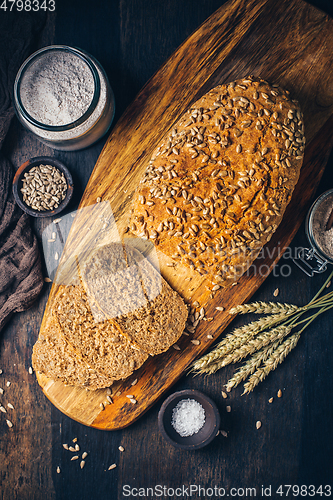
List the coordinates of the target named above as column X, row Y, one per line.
column 57, row 89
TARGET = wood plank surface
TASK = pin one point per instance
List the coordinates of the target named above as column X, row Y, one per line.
column 295, row 50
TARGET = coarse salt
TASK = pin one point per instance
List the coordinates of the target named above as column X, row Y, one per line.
column 188, row 417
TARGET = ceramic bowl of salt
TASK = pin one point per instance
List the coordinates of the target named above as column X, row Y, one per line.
column 189, row 419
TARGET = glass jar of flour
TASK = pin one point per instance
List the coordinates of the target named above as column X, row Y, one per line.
column 63, row 96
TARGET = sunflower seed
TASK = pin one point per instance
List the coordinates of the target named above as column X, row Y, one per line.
column 65, row 445
column 84, row 455
column 279, row 393
column 258, row 424
column 121, row 448
column 76, row 457
column 113, row 466
column 224, row 394
column 10, row 406
column 58, row 470
column 82, row 464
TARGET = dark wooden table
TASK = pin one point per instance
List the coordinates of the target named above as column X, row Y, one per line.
column 295, row 442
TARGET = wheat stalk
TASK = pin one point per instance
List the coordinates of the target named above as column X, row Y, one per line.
column 234, row 340
column 271, row 363
column 264, row 308
column 251, row 365
column 264, row 339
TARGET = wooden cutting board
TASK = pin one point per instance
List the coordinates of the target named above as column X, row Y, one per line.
column 287, row 42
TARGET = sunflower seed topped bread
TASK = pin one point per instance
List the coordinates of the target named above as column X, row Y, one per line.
column 91, row 339
column 218, row 184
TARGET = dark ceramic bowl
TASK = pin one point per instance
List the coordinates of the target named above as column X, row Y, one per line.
column 205, row 435
column 18, row 184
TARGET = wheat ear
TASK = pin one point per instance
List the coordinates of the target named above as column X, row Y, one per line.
column 272, row 362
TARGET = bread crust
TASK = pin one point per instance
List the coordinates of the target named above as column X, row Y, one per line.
column 218, row 184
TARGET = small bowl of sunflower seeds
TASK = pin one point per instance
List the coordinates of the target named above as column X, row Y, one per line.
column 42, row 186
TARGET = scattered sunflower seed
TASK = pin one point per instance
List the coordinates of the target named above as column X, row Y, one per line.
column 74, row 440
column 47, row 280
column 195, row 342
column 132, row 400
column 7, row 383
column 82, row 464
column 9, row 423
column 224, row 433
column 108, row 391
column 109, row 399
column 57, row 220
column 10, row 406
column 121, row 448
column 224, row 394
column 228, row 408
column 176, row 346
column 210, row 337
column 218, row 308
column 71, row 448
column 258, row 424
column 129, row 396
column 56, row 256
column 84, row 455
column 3, row 409
column 76, row 457
column 58, row 470
column 65, row 445
column 99, row 199
column 279, row 394
column 271, row 400
column 1, row 391
column 134, row 382
column 30, row 370
column 77, row 447
column 113, row 466
column 276, row 292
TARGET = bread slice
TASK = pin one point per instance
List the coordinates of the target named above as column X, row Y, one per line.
column 55, row 358
column 100, row 344
column 103, row 327
column 218, row 184
column 152, row 324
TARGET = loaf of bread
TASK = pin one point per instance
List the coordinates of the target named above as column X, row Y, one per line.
column 218, row 184
column 104, row 327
